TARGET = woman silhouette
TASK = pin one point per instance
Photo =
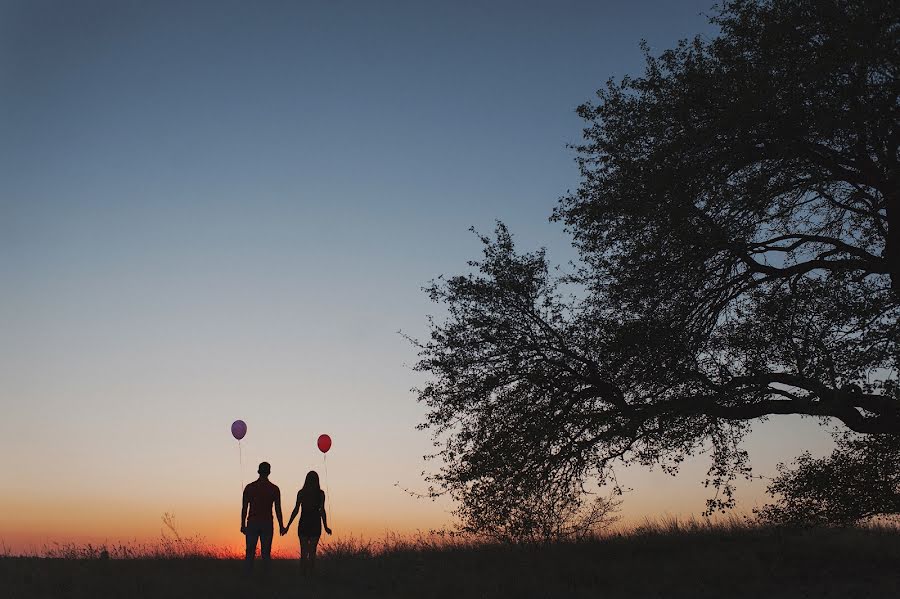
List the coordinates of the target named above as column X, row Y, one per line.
column 312, row 499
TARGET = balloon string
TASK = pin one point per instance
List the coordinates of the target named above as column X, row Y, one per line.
column 327, row 490
column 241, row 459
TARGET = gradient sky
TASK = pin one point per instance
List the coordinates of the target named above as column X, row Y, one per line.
column 223, row 210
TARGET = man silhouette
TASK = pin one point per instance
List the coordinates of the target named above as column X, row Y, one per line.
column 260, row 495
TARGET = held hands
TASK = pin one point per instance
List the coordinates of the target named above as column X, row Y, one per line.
column 284, row 530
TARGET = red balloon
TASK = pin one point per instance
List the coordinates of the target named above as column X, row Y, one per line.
column 238, row 429
column 324, row 443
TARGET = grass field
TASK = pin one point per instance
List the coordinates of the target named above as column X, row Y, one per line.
column 662, row 560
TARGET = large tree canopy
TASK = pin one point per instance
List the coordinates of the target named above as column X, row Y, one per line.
column 738, row 228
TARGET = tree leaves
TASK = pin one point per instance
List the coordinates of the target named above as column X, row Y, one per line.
column 859, row 480
column 737, row 227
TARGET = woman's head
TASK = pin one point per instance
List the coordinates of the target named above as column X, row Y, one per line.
column 312, row 481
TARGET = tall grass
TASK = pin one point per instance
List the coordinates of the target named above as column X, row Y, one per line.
column 172, row 545
column 670, row 557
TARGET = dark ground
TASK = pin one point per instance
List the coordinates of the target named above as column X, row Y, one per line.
column 701, row 563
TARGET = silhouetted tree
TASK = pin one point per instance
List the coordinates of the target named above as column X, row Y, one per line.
column 737, row 224
column 859, row 480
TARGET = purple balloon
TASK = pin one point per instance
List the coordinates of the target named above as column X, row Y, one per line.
column 238, row 429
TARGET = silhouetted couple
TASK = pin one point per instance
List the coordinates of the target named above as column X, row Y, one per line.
column 261, row 495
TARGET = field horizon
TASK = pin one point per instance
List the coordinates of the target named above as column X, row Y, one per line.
column 659, row 559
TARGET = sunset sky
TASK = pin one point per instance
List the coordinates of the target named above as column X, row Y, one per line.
column 212, row 211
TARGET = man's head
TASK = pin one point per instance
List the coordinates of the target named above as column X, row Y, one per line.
column 264, row 468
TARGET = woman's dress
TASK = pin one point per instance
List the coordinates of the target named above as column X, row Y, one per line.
column 311, row 504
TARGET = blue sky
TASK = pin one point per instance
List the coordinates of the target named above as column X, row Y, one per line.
column 223, row 210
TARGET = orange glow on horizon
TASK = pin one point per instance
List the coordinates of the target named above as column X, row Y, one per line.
column 39, row 526
column 72, row 503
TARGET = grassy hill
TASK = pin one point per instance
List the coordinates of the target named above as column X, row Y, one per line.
column 653, row 561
